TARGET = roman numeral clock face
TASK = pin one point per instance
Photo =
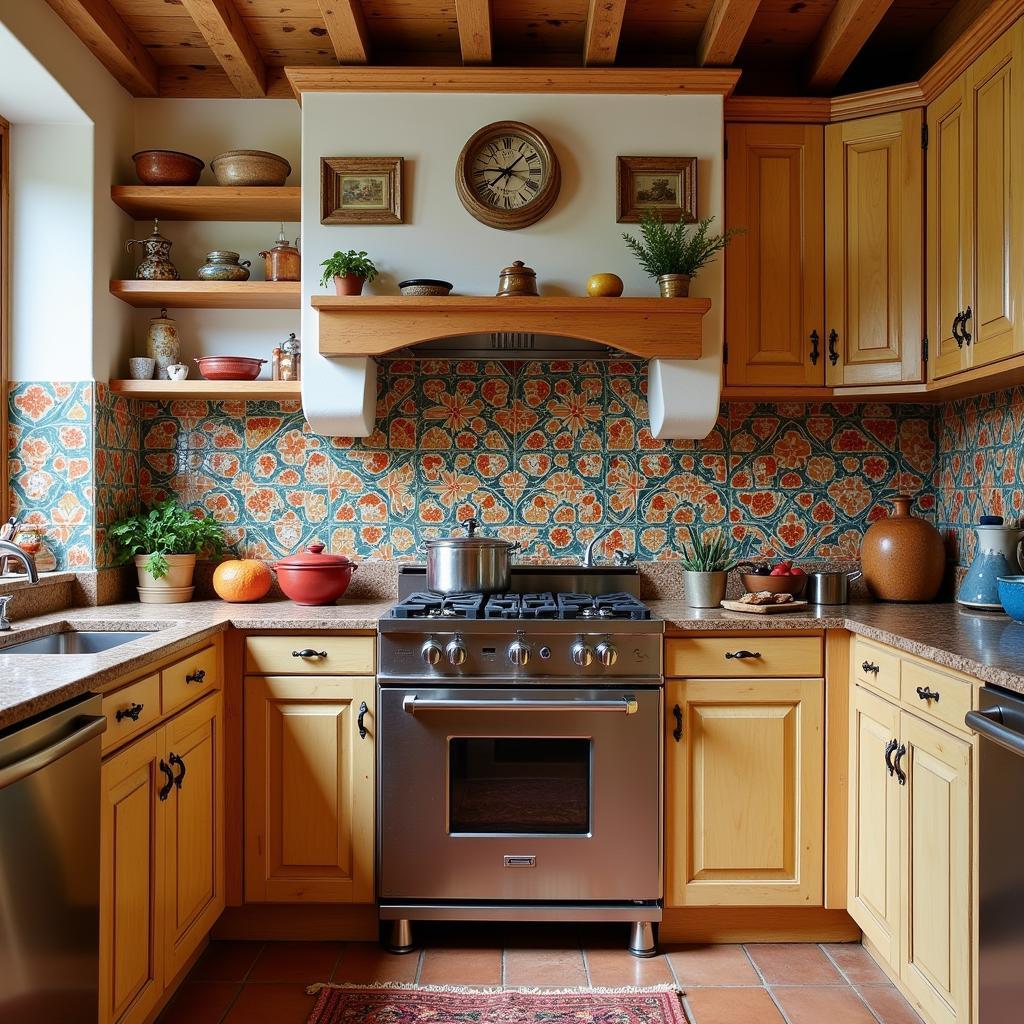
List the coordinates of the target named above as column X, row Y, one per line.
column 507, row 175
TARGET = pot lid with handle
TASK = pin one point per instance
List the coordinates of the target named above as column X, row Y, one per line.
column 471, row 540
column 315, row 558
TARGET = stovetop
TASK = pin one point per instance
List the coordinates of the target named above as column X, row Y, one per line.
column 530, row 606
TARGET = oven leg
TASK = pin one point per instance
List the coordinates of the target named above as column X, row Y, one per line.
column 400, row 939
column 641, row 939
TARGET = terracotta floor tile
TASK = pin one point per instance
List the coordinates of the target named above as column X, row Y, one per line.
column 712, row 965
column 836, row 1005
column 888, row 1004
column 617, row 967
column 793, row 963
column 461, row 966
column 732, row 1006
column 271, row 1004
column 856, row 963
column 304, row 962
column 202, row 1002
column 544, row 968
column 364, row 963
column 226, row 961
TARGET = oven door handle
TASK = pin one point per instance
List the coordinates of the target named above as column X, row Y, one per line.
column 414, row 705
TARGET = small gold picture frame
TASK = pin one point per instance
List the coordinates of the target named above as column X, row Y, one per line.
column 361, row 190
column 667, row 184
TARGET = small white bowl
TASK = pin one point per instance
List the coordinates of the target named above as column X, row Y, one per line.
column 165, row 595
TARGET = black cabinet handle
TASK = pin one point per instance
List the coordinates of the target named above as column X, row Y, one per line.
column 308, row 652
column 968, row 313
column 178, row 763
column 925, row 694
column 833, row 352
column 890, row 749
column 900, row 774
column 360, row 719
column 132, row 711
column 165, row 790
column 741, row 655
column 815, row 340
column 196, row 677
column 870, row 666
column 677, row 714
column 957, row 336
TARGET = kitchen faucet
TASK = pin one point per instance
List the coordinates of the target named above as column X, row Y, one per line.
column 587, row 562
column 9, row 550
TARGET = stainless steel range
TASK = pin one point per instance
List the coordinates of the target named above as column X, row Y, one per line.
column 519, row 755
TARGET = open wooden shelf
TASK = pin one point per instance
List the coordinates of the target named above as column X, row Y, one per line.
column 211, row 390
column 650, row 328
column 209, row 202
column 209, row 294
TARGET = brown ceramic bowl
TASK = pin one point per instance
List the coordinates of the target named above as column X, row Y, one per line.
column 774, row 584
column 167, row 167
column 250, row 167
column 229, row 367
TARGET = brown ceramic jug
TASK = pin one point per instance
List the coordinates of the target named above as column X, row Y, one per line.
column 903, row 557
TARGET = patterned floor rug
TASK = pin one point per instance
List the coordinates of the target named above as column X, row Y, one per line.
column 385, row 1004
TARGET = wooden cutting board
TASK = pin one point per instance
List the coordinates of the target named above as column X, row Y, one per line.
column 764, row 609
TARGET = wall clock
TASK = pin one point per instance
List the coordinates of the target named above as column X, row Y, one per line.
column 507, row 175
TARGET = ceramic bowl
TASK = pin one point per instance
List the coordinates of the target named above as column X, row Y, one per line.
column 165, row 595
column 774, row 584
column 229, row 367
column 424, row 286
column 1011, row 596
column 141, row 367
column 167, row 167
column 250, row 167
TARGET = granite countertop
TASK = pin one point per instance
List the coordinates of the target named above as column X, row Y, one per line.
column 987, row 646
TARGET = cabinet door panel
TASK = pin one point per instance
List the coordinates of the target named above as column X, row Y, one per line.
column 774, row 270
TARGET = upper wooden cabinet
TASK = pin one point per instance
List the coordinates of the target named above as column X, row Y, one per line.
column 774, row 271
column 874, row 243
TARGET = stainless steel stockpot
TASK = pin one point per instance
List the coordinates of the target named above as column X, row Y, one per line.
column 470, row 564
column 830, row 587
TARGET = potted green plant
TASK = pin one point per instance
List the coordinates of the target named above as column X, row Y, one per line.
column 707, row 560
column 164, row 541
column 349, row 271
column 673, row 253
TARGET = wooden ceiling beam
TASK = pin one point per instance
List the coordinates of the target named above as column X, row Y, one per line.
column 725, row 31
column 100, row 27
column 847, row 30
column 604, row 26
column 223, row 29
column 475, row 38
column 346, row 27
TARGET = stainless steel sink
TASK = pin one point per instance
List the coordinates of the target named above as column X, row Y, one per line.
column 73, row 642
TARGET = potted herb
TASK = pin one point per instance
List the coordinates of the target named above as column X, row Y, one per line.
column 673, row 253
column 707, row 560
column 164, row 542
column 349, row 271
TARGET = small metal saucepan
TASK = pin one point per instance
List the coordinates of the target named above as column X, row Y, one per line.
column 830, row 587
column 470, row 564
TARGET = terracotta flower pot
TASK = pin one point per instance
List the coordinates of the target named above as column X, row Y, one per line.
column 349, row 285
column 903, row 557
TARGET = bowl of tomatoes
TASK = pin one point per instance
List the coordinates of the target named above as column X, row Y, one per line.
column 777, row 578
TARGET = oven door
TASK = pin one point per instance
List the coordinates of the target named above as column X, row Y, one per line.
column 520, row 795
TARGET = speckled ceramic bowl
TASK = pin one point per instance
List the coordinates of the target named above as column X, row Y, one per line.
column 250, row 167
column 167, row 167
column 1011, row 596
column 424, row 286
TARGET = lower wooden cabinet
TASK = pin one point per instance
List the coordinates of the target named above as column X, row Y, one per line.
column 162, row 863
column 309, row 789
column 744, row 792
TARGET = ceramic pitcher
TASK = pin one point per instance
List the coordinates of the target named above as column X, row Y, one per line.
column 998, row 554
column 157, row 265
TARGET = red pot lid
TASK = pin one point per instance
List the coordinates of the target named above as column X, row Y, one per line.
column 314, row 558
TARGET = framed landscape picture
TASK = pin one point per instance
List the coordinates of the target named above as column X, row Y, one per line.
column 667, row 184
column 361, row 190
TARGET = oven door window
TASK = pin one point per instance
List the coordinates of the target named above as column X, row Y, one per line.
column 519, row 786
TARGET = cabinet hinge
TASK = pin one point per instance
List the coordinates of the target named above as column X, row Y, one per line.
column 924, row 349
column 725, row 353
column 924, row 135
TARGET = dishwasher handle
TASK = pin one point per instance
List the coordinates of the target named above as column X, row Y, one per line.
column 989, row 723
column 18, row 770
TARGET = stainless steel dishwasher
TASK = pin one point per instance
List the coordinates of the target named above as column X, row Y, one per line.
column 999, row 722
column 49, row 866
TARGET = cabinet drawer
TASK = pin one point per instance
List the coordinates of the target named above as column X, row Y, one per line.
column 877, row 667
column 743, row 656
column 310, row 655
column 130, row 710
column 189, row 679
column 933, row 694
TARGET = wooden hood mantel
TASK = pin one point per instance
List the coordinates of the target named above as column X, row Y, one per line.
column 649, row 328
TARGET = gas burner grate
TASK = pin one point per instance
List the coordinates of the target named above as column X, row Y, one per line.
column 433, row 606
column 603, row 606
column 521, row 606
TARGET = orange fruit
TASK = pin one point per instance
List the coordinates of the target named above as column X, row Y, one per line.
column 242, row 579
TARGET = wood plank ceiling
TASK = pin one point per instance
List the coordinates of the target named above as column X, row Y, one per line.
column 785, row 47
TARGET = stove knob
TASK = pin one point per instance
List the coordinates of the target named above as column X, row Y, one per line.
column 606, row 653
column 518, row 653
column 431, row 652
column 581, row 654
column 456, row 652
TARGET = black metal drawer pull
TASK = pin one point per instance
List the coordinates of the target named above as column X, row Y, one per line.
column 870, row 666
column 308, row 652
column 925, row 694
column 165, row 790
column 132, row 711
column 196, row 677
column 677, row 714
column 815, row 340
column 957, row 336
column 967, row 336
column 833, row 352
column 360, row 720
column 179, row 763
column 890, row 749
column 741, row 655
column 900, row 754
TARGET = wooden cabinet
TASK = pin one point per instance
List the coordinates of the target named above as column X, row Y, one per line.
column 309, row 788
column 874, row 243
column 744, row 792
column 774, row 287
